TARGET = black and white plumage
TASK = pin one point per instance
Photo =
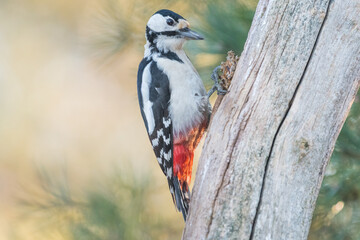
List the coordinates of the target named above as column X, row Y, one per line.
column 173, row 101
column 154, row 105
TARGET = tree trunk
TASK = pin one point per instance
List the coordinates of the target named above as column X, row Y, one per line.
column 271, row 138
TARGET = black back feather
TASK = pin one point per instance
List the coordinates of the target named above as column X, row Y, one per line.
column 169, row 13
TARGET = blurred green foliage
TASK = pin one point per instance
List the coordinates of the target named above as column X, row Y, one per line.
column 118, row 208
column 121, row 209
column 121, row 212
column 337, row 213
column 225, row 25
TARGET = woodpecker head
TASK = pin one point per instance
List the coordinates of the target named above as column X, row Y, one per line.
column 168, row 31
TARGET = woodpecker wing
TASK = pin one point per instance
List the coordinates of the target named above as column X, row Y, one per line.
column 154, row 97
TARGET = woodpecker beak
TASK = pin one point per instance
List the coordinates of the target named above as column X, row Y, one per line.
column 187, row 33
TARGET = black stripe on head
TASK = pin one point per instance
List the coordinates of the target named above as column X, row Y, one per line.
column 152, row 35
column 166, row 12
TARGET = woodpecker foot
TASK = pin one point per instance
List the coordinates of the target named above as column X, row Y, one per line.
column 217, row 86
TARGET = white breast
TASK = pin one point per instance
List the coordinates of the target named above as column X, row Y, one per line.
column 189, row 105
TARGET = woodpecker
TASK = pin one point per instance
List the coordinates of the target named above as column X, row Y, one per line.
column 173, row 101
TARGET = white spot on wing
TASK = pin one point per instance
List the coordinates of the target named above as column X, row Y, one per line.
column 147, row 105
column 160, row 133
column 167, row 140
column 166, row 122
column 167, row 156
column 155, row 142
column 169, row 172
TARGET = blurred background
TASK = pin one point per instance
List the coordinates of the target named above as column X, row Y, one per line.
column 75, row 161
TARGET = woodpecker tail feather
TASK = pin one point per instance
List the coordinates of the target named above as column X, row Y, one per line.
column 180, row 195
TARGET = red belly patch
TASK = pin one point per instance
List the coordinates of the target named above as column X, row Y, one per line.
column 182, row 163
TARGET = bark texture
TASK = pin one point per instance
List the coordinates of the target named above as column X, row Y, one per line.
column 271, row 138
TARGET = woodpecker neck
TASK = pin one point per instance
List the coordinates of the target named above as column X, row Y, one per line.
column 162, row 42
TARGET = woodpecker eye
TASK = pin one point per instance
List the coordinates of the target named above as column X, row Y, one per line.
column 170, row 22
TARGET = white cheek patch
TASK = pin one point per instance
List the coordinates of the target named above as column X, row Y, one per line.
column 158, row 23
